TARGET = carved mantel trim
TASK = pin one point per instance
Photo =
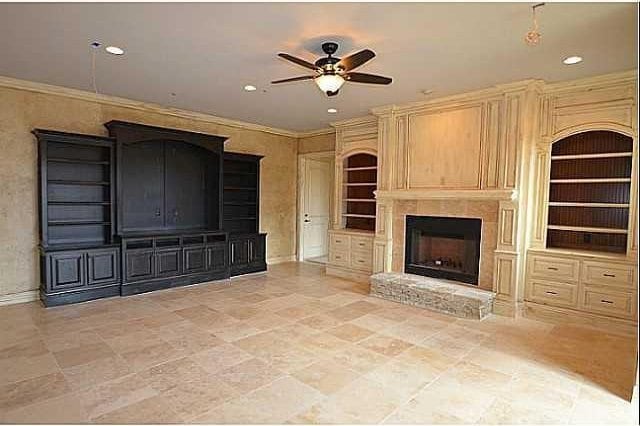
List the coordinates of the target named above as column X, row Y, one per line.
column 444, row 194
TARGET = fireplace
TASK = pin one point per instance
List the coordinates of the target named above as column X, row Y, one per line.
column 443, row 247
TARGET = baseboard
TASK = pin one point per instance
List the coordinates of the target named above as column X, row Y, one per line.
column 565, row 316
column 348, row 274
column 505, row 308
column 22, row 297
column 281, row 259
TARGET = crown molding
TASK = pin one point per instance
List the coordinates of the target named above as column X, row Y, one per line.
column 367, row 119
column 319, row 132
column 32, row 86
column 589, row 82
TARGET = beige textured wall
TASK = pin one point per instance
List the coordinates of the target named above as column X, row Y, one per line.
column 485, row 210
column 21, row 111
column 319, row 143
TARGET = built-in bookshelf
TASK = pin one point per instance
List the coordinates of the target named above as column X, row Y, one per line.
column 360, row 176
column 76, row 188
column 589, row 194
column 241, row 178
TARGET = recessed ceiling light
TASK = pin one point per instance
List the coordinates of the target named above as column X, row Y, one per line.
column 570, row 60
column 250, row 88
column 114, row 50
column 332, row 110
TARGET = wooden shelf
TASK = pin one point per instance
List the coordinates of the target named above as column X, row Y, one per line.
column 360, row 200
column 362, row 216
column 77, row 161
column 76, row 222
column 239, row 203
column 79, row 203
column 592, row 180
column 360, row 184
column 77, row 182
column 239, row 188
column 355, row 169
column 588, row 205
column 231, row 172
column 241, row 218
column 589, row 156
column 587, row 229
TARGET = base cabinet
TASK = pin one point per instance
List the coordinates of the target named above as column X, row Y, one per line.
column 247, row 253
column 350, row 254
column 78, row 275
column 157, row 262
column 603, row 286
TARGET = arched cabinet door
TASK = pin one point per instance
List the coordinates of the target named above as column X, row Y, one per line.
column 590, row 192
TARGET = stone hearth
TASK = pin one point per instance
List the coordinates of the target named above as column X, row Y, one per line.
column 434, row 294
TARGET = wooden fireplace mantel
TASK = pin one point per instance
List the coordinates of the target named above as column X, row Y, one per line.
column 448, row 194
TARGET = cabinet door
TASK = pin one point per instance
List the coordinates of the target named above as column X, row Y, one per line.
column 142, row 205
column 239, row 252
column 195, row 259
column 102, row 266
column 139, row 265
column 256, row 249
column 66, row 270
column 217, row 257
column 185, row 182
column 168, row 262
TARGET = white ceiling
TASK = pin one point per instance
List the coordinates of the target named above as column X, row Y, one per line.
column 206, row 52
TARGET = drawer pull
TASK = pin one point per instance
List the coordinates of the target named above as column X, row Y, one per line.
column 338, row 257
column 338, row 241
column 606, row 301
column 361, row 244
column 609, row 275
column 360, row 261
column 551, row 292
column 552, row 268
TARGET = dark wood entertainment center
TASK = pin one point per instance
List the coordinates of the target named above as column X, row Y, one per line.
column 146, row 208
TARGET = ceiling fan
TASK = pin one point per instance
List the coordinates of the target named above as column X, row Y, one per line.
column 332, row 72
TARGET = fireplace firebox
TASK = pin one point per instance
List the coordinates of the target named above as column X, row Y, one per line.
column 443, row 247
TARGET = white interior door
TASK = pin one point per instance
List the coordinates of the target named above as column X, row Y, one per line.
column 317, row 190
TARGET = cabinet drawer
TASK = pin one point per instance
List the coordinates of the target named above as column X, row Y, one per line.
column 554, row 268
column 362, row 261
column 361, row 243
column 620, row 304
column 339, row 242
column 550, row 293
column 601, row 273
column 339, row 258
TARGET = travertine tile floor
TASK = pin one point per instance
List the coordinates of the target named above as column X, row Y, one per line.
column 297, row 346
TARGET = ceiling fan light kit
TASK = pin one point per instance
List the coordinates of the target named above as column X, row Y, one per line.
column 332, row 72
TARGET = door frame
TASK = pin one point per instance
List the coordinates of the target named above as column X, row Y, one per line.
column 302, row 164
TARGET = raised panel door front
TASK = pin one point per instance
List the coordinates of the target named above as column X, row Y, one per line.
column 185, row 185
column 239, row 252
column 139, row 265
column 444, row 148
column 195, row 259
column 67, row 270
column 217, row 257
column 102, row 266
column 142, row 186
column 168, row 262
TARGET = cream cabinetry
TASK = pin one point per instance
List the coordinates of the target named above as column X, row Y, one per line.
column 350, row 254
column 596, row 284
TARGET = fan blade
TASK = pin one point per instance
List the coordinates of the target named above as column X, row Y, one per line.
column 355, row 60
column 286, row 80
column 358, row 77
column 298, row 61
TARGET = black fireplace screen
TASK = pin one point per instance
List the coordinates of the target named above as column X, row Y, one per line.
column 443, row 247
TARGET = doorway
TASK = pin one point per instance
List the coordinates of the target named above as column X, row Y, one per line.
column 314, row 205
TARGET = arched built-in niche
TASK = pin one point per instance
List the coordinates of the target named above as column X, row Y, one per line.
column 360, row 176
column 590, row 192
